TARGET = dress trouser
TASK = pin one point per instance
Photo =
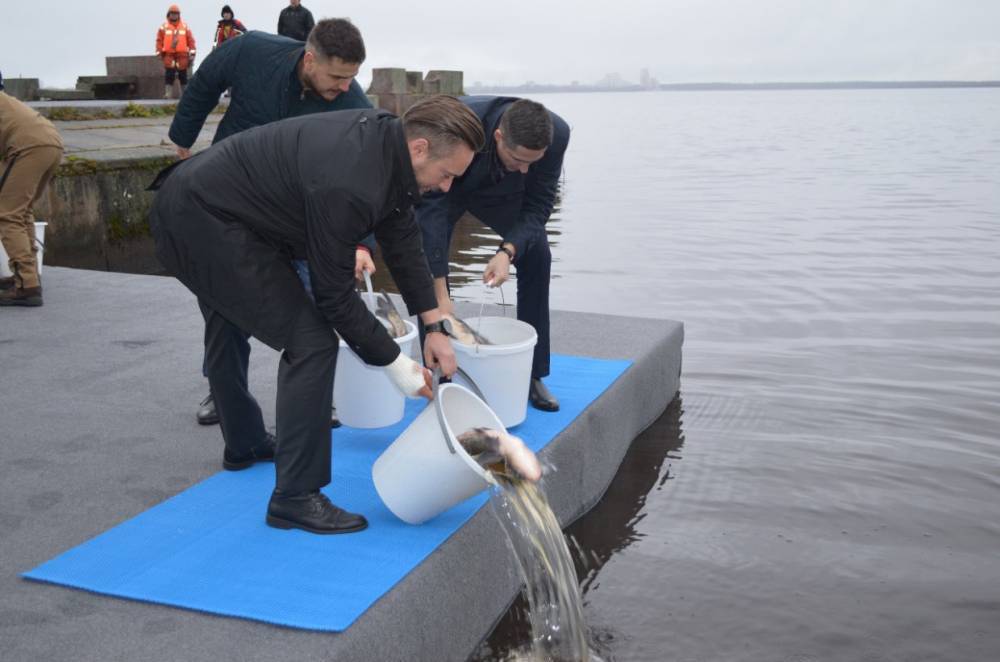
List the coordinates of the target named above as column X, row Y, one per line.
column 302, row 269
column 24, row 181
column 305, row 388
column 534, row 269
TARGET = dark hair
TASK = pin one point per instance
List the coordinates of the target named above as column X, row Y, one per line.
column 226, row 9
column 337, row 37
column 527, row 124
column 445, row 122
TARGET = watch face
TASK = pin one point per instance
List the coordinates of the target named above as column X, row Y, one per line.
column 446, row 325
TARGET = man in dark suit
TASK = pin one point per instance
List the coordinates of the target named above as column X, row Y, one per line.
column 273, row 78
column 231, row 233
column 510, row 187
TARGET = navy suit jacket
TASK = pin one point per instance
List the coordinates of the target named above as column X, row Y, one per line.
column 517, row 207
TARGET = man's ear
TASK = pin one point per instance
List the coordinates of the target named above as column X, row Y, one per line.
column 419, row 147
column 497, row 135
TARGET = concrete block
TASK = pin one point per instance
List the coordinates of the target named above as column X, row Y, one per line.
column 447, row 82
column 146, row 69
column 25, row 89
column 397, row 103
column 65, row 95
column 414, row 82
column 109, row 87
column 134, row 65
column 388, row 81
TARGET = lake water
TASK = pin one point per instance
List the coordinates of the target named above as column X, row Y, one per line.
column 827, row 485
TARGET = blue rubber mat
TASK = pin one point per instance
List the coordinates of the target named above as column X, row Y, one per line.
column 194, row 549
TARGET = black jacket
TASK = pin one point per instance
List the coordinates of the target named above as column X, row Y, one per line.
column 525, row 199
column 261, row 70
column 227, row 222
column 295, row 22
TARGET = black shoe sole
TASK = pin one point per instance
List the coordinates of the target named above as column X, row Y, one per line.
column 335, row 423
column 209, row 420
column 244, row 464
column 544, row 406
column 285, row 524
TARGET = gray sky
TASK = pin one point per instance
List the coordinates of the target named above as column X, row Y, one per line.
column 558, row 42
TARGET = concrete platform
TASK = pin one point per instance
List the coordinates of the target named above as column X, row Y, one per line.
column 126, row 138
column 97, row 426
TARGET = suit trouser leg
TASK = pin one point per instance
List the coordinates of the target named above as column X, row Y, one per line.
column 534, row 269
column 305, row 388
column 227, row 356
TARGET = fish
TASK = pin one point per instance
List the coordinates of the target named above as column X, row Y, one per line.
column 497, row 451
column 386, row 309
column 463, row 333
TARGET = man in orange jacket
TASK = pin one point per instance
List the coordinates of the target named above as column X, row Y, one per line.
column 175, row 45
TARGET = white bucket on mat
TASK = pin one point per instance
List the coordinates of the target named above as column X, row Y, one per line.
column 364, row 394
column 39, row 239
column 501, row 370
column 426, row 471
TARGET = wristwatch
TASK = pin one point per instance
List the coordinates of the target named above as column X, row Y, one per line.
column 504, row 249
column 437, row 327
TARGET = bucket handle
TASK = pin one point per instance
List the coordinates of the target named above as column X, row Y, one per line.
column 438, row 378
column 370, row 294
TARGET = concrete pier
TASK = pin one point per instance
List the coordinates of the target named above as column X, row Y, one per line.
column 97, row 206
column 100, row 427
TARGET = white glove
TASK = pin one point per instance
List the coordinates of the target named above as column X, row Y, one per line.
column 407, row 375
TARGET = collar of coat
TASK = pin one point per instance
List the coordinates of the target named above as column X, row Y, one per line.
column 408, row 192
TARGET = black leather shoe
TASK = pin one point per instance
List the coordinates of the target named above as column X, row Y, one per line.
column 541, row 398
column 263, row 453
column 334, row 421
column 206, row 411
column 311, row 511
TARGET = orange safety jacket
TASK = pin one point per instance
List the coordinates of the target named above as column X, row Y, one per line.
column 174, row 43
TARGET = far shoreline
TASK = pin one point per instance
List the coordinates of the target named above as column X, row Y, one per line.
column 726, row 87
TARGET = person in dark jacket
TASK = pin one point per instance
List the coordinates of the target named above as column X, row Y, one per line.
column 511, row 187
column 229, row 27
column 273, row 78
column 229, row 222
column 295, row 21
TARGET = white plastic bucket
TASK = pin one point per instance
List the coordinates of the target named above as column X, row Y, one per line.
column 39, row 239
column 426, row 471
column 501, row 370
column 365, row 396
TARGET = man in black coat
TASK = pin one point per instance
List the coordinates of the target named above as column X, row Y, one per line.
column 229, row 222
column 273, row 78
column 295, row 21
column 511, row 187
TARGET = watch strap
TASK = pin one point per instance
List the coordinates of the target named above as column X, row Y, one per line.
column 438, row 327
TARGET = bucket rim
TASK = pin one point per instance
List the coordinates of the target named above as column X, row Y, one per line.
column 411, row 333
column 498, row 350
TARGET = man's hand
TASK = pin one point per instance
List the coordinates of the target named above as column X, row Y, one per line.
column 497, row 270
column 438, row 353
column 363, row 262
column 183, row 152
column 411, row 378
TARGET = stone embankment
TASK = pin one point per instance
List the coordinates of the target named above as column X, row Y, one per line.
column 97, row 206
